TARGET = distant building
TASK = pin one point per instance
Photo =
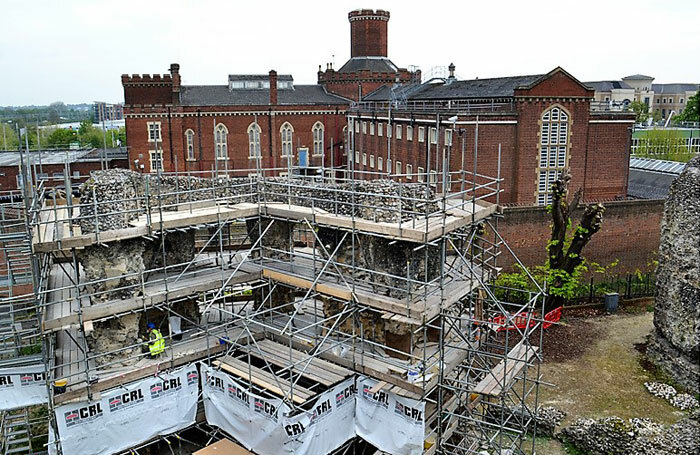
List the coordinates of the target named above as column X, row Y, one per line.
column 106, row 111
column 611, row 95
column 661, row 98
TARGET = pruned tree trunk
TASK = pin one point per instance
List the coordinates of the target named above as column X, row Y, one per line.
column 565, row 256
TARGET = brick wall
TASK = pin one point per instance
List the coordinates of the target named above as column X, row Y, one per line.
column 630, row 232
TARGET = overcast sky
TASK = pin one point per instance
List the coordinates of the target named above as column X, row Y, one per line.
column 75, row 50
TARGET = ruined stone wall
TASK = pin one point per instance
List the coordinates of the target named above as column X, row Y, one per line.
column 675, row 344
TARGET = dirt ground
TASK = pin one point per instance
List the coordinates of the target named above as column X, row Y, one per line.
column 595, row 370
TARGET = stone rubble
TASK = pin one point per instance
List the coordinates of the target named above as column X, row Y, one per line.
column 683, row 401
column 614, row 436
column 675, row 343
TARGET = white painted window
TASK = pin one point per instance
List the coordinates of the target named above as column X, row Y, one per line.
column 287, row 136
column 357, row 157
column 380, row 162
column 156, row 160
column 189, row 144
column 388, row 166
column 154, row 132
column 409, row 133
column 380, row 129
column 364, row 127
column 421, row 134
column 318, row 133
column 254, row 140
column 371, row 129
column 398, row 132
column 555, row 130
column 398, row 167
column 221, row 141
column 421, row 172
column 388, row 130
column 433, row 135
column 448, row 137
column 433, row 177
column 364, row 159
column 409, row 171
column 371, row 161
column 357, row 126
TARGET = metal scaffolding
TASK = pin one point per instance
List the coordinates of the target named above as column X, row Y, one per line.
column 288, row 290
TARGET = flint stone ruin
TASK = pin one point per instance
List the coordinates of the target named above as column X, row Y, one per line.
column 675, row 343
column 113, row 199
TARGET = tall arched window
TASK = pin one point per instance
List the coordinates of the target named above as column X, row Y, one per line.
column 220, row 139
column 189, row 144
column 286, row 133
column 317, row 131
column 555, row 130
column 254, row 140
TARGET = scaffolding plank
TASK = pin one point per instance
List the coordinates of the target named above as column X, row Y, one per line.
column 502, row 376
column 264, row 379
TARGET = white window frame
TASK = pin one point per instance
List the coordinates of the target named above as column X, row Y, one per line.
column 380, row 129
column 432, row 135
column 221, row 142
column 287, row 140
column 409, row 171
column 371, row 128
column 421, row 173
column 357, row 157
column 398, row 132
column 553, row 150
column 371, row 161
column 357, row 126
column 388, row 130
column 397, row 167
column 409, row 133
column 421, row 134
column 364, row 159
column 364, row 127
column 318, row 132
column 380, row 163
column 154, row 160
column 254, row 132
column 189, row 144
column 154, row 127
column 448, row 136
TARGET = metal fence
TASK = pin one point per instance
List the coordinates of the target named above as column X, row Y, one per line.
column 628, row 286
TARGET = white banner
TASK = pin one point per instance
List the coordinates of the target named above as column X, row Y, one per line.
column 22, row 386
column 389, row 422
column 130, row 415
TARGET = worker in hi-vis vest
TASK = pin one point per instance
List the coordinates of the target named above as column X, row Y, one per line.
column 156, row 342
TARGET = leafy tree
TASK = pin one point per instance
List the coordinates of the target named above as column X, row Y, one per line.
column 564, row 252
column 691, row 113
column 641, row 110
column 61, row 137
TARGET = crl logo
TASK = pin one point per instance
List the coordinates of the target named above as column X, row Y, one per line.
column 125, row 400
column 413, row 414
column 265, row 408
column 166, row 387
column 346, row 395
column 84, row 414
column 294, row 429
column 379, row 398
column 32, row 378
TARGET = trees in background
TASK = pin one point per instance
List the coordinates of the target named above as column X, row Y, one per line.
column 691, row 113
column 641, row 110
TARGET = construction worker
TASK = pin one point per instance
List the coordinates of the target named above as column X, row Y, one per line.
column 156, row 342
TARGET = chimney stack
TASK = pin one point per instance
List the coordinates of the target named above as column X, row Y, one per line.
column 368, row 33
column 452, row 70
column 175, row 75
column 273, row 87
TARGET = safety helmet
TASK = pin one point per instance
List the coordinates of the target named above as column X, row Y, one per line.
column 151, row 325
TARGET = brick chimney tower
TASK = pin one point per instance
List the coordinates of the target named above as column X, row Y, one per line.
column 175, row 75
column 273, row 87
column 368, row 33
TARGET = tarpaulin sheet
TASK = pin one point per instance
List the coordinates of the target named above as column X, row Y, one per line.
column 130, row 415
column 22, row 386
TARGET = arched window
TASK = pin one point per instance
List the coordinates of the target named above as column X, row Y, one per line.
column 555, row 130
column 286, row 133
column 254, row 140
column 317, row 131
column 189, row 144
column 220, row 138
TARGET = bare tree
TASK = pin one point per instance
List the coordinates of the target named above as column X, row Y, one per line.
column 565, row 253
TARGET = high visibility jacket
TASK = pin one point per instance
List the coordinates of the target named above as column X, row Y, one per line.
column 156, row 345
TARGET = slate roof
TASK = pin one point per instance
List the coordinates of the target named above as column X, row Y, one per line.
column 374, row 64
column 607, row 86
column 674, row 88
column 257, row 77
column 500, row 87
column 651, row 179
column 220, row 95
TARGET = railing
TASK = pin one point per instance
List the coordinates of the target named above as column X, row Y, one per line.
column 461, row 106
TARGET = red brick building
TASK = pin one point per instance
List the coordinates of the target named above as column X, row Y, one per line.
column 542, row 123
column 369, row 67
column 204, row 127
